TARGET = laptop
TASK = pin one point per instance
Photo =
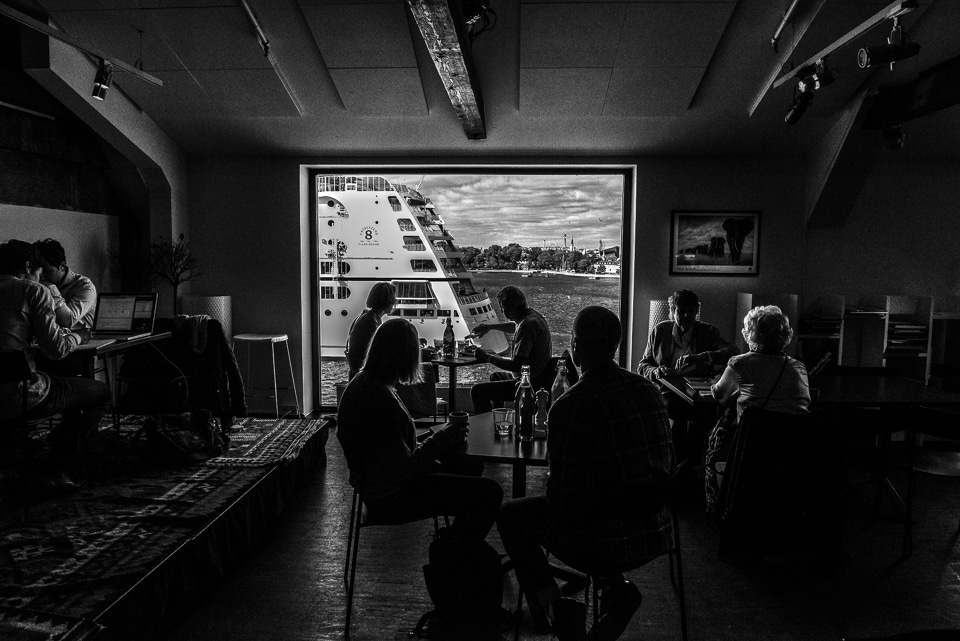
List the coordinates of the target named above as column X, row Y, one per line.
column 122, row 317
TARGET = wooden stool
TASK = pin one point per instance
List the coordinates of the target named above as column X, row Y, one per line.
column 272, row 339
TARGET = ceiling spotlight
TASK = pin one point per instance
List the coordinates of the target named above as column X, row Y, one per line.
column 882, row 54
column 896, row 49
column 818, row 78
column 103, row 79
column 799, row 108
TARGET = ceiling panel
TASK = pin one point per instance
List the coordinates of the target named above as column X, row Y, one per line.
column 570, row 35
column 562, row 92
column 250, row 93
column 116, row 33
column 651, row 91
column 672, row 34
column 211, row 38
column 387, row 93
column 180, row 94
column 361, row 36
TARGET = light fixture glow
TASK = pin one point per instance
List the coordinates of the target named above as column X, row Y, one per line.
column 103, row 79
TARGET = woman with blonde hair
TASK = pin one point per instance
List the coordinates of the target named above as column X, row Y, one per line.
column 765, row 377
column 403, row 480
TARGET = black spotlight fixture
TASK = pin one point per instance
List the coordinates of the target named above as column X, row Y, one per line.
column 103, row 79
column 799, row 107
column 897, row 48
column 812, row 78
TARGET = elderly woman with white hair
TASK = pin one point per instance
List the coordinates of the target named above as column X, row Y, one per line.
column 765, row 377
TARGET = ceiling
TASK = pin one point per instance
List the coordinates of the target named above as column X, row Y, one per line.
column 580, row 78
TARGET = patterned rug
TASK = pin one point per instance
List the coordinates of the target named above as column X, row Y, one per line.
column 77, row 553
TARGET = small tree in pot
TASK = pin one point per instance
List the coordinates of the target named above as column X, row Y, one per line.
column 173, row 263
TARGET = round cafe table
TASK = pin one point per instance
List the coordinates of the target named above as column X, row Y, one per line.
column 483, row 444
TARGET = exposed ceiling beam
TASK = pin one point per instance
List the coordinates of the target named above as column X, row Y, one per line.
column 799, row 29
column 935, row 89
column 444, row 31
column 36, row 25
column 892, row 10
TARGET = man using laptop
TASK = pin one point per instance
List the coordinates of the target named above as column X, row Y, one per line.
column 74, row 295
column 28, row 324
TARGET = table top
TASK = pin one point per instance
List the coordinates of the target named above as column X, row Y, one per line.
column 681, row 387
column 876, row 390
column 455, row 361
column 120, row 345
column 482, row 443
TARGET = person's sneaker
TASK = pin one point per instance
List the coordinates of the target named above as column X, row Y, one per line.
column 618, row 604
column 569, row 620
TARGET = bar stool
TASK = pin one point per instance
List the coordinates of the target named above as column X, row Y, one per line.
column 272, row 340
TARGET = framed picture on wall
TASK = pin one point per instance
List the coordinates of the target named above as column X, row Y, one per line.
column 715, row 243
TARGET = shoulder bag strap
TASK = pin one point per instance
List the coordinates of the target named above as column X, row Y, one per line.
column 776, row 382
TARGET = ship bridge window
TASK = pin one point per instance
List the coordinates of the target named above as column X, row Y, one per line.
column 326, row 267
column 413, row 243
column 330, row 293
column 394, row 203
column 442, row 313
column 428, row 313
column 419, row 265
column 409, row 312
column 416, row 290
column 406, row 224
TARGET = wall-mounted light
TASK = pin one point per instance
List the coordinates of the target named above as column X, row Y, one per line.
column 103, row 79
column 812, row 79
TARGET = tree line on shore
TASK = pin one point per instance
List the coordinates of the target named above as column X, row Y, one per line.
column 513, row 256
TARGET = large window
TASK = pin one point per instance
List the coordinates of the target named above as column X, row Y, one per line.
column 554, row 232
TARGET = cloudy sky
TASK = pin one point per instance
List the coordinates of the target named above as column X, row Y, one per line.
column 532, row 210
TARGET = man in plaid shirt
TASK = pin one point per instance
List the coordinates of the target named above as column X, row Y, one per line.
column 609, row 449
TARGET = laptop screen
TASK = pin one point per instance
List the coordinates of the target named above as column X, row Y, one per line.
column 125, row 313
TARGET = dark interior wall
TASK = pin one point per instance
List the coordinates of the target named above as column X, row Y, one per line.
column 771, row 186
column 900, row 238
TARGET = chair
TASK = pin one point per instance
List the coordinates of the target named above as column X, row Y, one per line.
column 671, row 491
column 15, row 367
column 270, row 339
column 783, row 483
column 358, row 521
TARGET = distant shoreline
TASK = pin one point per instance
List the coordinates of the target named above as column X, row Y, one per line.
column 541, row 273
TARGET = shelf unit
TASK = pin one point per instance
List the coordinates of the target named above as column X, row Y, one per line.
column 889, row 331
column 945, row 343
column 788, row 304
column 820, row 331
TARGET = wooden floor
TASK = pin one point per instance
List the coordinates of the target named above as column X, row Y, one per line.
column 291, row 588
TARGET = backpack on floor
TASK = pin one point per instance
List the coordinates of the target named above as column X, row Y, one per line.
column 465, row 581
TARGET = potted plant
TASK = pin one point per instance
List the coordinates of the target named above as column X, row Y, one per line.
column 173, row 263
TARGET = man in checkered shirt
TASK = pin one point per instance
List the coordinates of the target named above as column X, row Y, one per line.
column 608, row 446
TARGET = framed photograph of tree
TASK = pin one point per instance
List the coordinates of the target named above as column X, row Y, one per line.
column 715, row 243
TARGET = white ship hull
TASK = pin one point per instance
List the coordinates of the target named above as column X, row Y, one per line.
column 370, row 231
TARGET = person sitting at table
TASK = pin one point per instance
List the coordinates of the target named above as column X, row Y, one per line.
column 28, row 323
column 609, row 444
column 684, row 346
column 74, row 295
column 401, row 479
column 381, row 300
column 531, row 346
column 765, row 377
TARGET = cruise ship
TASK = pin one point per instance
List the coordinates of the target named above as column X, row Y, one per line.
column 371, row 230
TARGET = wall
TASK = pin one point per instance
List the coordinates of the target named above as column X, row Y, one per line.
column 771, row 186
column 900, row 237
column 86, row 238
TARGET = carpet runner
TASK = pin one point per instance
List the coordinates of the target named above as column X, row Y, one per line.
column 78, row 553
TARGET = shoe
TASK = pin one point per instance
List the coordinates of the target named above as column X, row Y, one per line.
column 618, row 604
column 569, row 620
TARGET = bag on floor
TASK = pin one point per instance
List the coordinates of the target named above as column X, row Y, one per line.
column 719, row 443
column 465, row 581
column 183, row 439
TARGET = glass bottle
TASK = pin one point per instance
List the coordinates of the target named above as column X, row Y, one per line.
column 560, row 383
column 540, row 420
column 526, row 406
column 449, row 340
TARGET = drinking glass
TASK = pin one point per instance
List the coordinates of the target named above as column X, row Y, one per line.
column 503, row 418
